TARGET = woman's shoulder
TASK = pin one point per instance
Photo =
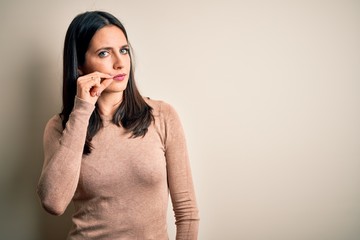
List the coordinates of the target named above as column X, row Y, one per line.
column 54, row 123
column 160, row 107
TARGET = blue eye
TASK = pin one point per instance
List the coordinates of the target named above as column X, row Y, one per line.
column 124, row 51
column 103, row 54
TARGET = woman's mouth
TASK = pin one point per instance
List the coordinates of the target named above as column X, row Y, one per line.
column 119, row 77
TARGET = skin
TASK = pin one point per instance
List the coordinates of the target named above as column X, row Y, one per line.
column 106, row 57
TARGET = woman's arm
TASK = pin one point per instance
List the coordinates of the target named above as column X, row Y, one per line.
column 63, row 150
column 180, row 178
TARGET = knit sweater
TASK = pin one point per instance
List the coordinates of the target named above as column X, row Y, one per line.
column 120, row 190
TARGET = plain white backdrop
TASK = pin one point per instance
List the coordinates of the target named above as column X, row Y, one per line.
column 268, row 93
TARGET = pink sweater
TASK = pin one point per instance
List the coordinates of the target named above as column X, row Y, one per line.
column 120, row 190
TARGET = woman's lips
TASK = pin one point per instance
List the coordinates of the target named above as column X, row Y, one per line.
column 119, row 77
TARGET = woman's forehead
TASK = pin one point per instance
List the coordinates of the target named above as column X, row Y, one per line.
column 108, row 36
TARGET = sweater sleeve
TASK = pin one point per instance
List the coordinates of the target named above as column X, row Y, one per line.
column 63, row 150
column 179, row 177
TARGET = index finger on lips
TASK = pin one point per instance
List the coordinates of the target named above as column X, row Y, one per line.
column 104, row 75
column 104, row 84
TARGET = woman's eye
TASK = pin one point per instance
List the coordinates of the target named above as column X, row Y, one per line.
column 124, row 51
column 103, row 54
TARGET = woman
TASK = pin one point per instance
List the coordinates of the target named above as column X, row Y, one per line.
column 115, row 154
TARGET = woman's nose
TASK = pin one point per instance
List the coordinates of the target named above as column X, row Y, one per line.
column 118, row 62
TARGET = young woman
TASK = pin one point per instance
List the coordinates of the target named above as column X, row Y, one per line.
column 113, row 153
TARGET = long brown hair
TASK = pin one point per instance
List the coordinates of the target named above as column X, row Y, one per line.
column 134, row 114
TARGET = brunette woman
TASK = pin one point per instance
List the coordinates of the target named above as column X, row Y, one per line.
column 113, row 153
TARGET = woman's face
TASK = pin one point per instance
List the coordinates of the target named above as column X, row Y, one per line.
column 108, row 53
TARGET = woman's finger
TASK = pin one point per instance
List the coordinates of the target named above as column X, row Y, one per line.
column 103, row 75
column 106, row 82
column 99, row 89
column 96, row 78
column 91, row 85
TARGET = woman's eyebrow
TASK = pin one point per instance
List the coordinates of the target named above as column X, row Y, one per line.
column 110, row 48
column 103, row 48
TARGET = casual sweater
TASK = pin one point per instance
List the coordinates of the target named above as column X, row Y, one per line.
column 120, row 190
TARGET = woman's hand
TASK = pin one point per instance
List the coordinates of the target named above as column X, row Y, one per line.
column 90, row 86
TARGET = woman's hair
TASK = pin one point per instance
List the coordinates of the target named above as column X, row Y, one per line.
column 133, row 113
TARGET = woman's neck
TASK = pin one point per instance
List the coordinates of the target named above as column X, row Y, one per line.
column 108, row 103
